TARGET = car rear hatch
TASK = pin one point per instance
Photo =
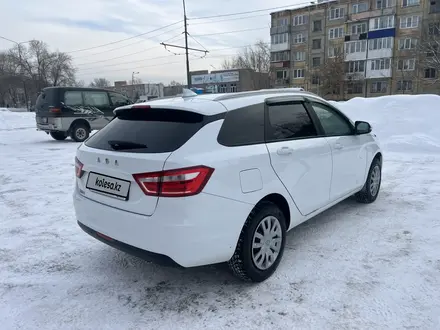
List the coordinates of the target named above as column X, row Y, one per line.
column 47, row 106
column 137, row 141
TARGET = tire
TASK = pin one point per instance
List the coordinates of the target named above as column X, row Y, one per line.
column 80, row 132
column 59, row 136
column 242, row 263
column 371, row 188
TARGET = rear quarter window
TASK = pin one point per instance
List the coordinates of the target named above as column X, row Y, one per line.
column 160, row 130
column 73, row 98
column 243, row 126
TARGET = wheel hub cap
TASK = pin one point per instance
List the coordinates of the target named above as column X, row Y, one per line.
column 266, row 243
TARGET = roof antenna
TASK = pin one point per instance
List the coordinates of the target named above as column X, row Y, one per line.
column 188, row 93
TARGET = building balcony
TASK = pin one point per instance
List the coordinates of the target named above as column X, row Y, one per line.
column 371, row 74
column 370, row 14
column 282, row 82
column 359, row 56
column 280, row 29
column 280, row 64
column 279, row 47
column 380, row 53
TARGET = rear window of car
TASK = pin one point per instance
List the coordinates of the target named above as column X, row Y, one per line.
column 148, row 131
column 45, row 99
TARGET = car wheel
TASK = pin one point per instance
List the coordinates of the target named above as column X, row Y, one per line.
column 80, row 132
column 371, row 188
column 58, row 135
column 261, row 244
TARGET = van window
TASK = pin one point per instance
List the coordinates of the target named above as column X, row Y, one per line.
column 118, row 99
column 72, row 98
column 96, row 99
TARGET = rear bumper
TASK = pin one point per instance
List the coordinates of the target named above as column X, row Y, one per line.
column 193, row 231
column 146, row 255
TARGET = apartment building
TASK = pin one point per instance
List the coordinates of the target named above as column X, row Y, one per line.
column 377, row 44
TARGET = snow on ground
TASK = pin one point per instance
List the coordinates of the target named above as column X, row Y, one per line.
column 354, row 267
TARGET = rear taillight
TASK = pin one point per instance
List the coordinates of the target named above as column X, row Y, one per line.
column 55, row 110
column 182, row 182
column 78, row 168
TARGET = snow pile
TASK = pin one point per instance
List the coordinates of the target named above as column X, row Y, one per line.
column 16, row 120
column 403, row 123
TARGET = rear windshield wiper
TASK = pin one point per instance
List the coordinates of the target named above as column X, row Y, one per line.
column 126, row 145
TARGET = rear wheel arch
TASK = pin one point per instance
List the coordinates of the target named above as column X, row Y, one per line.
column 80, row 122
column 279, row 201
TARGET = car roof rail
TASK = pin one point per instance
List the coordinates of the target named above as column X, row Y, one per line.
column 257, row 92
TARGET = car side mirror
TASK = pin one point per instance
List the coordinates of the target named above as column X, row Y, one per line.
column 362, row 127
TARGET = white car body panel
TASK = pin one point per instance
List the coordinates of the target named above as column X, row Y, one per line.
column 204, row 229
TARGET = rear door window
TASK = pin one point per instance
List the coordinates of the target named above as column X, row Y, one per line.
column 148, row 131
column 244, row 126
column 73, row 98
column 96, row 99
column 289, row 121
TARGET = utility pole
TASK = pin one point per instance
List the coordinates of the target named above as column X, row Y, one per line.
column 185, row 23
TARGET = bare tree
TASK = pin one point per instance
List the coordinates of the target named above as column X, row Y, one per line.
column 100, row 83
column 429, row 53
column 331, row 75
column 175, row 83
column 256, row 57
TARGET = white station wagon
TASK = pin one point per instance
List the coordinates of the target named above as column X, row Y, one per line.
column 205, row 179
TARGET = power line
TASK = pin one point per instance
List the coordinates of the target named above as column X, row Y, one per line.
column 251, row 11
column 227, row 32
column 131, row 44
column 227, row 20
column 121, row 40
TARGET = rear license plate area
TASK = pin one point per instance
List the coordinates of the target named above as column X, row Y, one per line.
column 109, row 186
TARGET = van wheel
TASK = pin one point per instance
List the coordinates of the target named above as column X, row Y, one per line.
column 60, row 136
column 80, row 132
column 261, row 244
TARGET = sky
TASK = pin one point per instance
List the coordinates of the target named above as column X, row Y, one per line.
column 70, row 26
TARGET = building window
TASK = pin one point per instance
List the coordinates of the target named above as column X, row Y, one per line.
column 382, row 4
column 317, row 26
column 281, row 74
column 281, row 38
column 407, row 3
column 280, row 56
column 223, row 89
column 299, row 20
column 359, row 28
column 406, row 65
column 298, row 73
column 407, row 43
column 409, row 22
column 316, row 61
column 355, row 66
column 336, row 33
column 359, row 8
column 359, row 46
column 434, row 29
column 300, row 56
column 336, row 13
column 315, row 80
column 430, row 73
column 380, row 43
column 385, row 22
column 280, row 22
column 316, row 44
column 404, row 85
column 334, row 51
column 379, row 87
column 380, row 64
column 355, row 88
column 299, row 39
column 233, row 88
column 433, row 51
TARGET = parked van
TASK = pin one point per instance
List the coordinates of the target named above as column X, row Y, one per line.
column 75, row 111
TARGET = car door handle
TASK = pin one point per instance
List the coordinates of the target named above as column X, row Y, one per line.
column 338, row 146
column 284, row 151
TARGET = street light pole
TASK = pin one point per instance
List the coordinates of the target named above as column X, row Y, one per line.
column 132, row 77
column 21, row 66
